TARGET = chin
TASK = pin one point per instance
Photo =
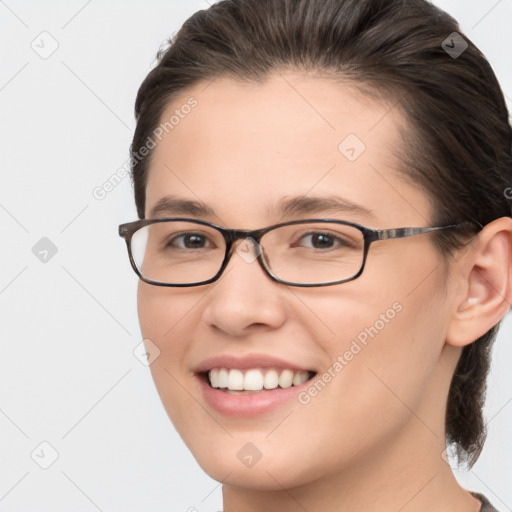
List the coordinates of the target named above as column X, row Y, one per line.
column 238, row 462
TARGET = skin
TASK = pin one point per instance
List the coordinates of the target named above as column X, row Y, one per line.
column 373, row 438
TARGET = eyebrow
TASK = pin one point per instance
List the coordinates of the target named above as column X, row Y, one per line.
column 324, row 204
column 299, row 205
column 172, row 205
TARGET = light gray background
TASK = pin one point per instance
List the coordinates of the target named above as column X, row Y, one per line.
column 68, row 326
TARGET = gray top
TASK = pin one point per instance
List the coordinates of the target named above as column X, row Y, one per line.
column 486, row 504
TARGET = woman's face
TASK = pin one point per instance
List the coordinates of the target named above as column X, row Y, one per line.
column 376, row 343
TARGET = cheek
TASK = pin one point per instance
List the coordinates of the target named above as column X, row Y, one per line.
column 163, row 314
column 168, row 319
column 383, row 353
column 381, row 350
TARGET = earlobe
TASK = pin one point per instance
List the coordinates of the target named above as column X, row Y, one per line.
column 487, row 274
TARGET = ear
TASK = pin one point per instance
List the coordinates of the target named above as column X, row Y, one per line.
column 485, row 278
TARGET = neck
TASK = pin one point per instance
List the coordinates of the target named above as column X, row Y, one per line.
column 407, row 474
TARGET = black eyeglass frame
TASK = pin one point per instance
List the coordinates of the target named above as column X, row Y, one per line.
column 230, row 236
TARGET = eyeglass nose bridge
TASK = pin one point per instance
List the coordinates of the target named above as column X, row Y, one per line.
column 232, row 235
column 249, row 238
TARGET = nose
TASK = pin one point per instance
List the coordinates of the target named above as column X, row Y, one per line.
column 245, row 298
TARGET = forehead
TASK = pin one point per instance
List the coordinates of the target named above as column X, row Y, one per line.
column 245, row 145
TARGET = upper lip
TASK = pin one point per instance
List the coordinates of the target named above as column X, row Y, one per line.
column 246, row 362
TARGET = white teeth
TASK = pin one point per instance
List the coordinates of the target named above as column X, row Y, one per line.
column 235, row 380
column 214, row 378
column 286, row 379
column 223, row 379
column 255, row 379
column 299, row 378
column 271, row 380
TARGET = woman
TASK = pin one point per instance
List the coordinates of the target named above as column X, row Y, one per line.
column 324, row 249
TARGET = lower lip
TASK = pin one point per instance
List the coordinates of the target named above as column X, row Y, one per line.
column 254, row 404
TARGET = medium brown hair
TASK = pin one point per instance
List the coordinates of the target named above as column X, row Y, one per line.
column 458, row 141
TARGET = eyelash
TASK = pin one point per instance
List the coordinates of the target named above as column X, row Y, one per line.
column 341, row 241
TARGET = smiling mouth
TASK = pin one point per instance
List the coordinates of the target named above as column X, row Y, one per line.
column 254, row 380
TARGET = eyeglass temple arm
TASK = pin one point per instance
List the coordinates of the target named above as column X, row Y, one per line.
column 387, row 234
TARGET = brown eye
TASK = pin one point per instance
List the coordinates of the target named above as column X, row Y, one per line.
column 323, row 240
column 189, row 241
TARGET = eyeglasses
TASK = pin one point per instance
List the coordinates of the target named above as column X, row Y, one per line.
column 313, row 252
